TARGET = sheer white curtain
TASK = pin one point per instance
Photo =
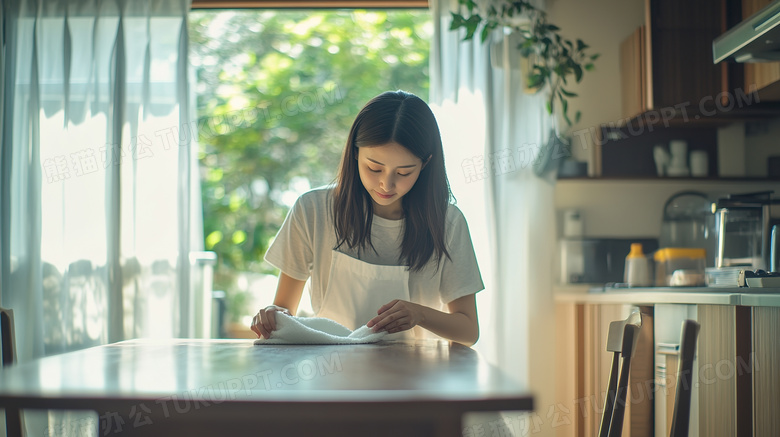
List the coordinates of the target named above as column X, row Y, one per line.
column 98, row 183
column 492, row 133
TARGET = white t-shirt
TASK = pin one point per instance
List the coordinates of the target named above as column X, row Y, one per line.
column 303, row 250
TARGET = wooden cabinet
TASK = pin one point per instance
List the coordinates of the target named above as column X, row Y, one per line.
column 765, row 371
column 735, row 380
column 761, row 76
column 633, row 74
column 720, row 401
column 666, row 65
column 722, row 380
column 587, row 374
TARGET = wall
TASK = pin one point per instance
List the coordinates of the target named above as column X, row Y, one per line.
column 762, row 141
column 634, row 208
column 622, row 208
column 745, row 147
column 602, row 24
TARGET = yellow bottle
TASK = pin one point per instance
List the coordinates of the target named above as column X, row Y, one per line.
column 637, row 271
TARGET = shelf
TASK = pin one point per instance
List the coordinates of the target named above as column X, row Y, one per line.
column 670, row 295
column 684, row 115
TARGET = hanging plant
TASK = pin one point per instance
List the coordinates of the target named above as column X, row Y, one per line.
column 554, row 60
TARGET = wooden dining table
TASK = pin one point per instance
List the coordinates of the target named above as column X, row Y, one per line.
column 219, row 387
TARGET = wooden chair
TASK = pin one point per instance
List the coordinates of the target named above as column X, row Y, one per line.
column 682, row 401
column 13, row 416
column 621, row 341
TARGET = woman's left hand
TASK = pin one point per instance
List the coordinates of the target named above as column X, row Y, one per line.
column 396, row 316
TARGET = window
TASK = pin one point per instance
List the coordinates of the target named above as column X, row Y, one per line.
column 277, row 91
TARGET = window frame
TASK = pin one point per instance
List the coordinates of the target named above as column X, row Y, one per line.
column 309, row 4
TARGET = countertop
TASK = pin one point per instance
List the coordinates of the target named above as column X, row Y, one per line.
column 765, row 297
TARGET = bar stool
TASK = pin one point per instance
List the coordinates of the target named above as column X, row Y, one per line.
column 682, row 399
column 621, row 341
column 13, row 416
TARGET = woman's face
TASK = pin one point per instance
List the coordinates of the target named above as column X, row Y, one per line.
column 388, row 172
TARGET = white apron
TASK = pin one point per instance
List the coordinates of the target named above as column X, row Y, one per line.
column 357, row 289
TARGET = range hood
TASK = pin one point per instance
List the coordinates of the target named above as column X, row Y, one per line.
column 756, row 39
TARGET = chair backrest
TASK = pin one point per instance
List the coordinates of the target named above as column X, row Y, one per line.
column 682, row 400
column 621, row 341
column 8, row 336
column 13, row 416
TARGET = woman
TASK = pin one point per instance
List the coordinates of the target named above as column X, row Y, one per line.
column 384, row 246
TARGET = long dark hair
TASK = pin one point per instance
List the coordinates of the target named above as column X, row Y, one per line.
column 403, row 118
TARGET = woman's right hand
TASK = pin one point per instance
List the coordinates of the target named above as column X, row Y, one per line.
column 264, row 321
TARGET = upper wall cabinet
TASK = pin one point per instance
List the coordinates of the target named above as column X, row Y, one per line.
column 761, row 76
column 666, row 65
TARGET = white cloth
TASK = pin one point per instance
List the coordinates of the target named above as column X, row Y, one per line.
column 304, row 249
column 317, row 330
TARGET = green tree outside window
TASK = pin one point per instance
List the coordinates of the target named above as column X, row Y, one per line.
column 277, row 91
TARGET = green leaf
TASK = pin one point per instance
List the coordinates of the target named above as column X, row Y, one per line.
column 568, row 93
column 239, row 237
column 566, row 117
column 578, row 72
column 577, row 116
column 471, row 25
column 556, row 59
column 457, row 21
column 212, row 239
column 543, row 70
column 565, row 110
column 214, row 174
column 534, row 80
column 485, row 33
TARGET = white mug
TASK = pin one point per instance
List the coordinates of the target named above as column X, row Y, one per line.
column 678, row 162
column 699, row 163
column 661, row 159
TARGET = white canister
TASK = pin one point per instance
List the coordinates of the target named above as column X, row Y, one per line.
column 678, row 163
column 699, row 163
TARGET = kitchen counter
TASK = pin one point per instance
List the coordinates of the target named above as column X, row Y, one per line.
column 737, row 338
column 769, row 297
